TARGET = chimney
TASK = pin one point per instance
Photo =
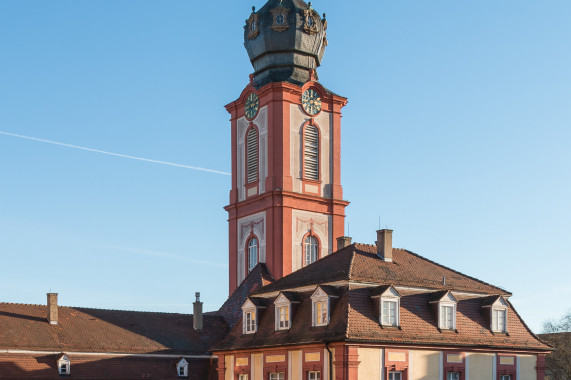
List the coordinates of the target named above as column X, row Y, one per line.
column 197, row 320
column 343, row 241
column 52, row 308
column 385, row 245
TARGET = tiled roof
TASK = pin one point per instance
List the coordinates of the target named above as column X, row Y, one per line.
column 360, row 263
column 24, row 327
column 256, row 279
column 44, row 367
column 355, row 269
column 354, row 319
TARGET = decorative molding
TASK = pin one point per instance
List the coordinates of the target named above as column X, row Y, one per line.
column 280, row 23
column 310, row 18
column 251, row 226
column 253, row 25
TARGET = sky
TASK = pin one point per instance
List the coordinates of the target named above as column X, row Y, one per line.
column 456, row 135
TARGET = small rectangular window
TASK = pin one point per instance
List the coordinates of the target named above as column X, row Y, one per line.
column 277, row 376
column 499, row 320
column 395, row 375
column 447, row 317
column 453, row 376
column 314, row 375
column 320, row 313
column 505, row 377
column 243, row 377
column 283, row 317
column 250, row 326
column 390, row 313
column 63, row 369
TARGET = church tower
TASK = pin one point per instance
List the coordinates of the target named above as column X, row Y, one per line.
column 286, row 204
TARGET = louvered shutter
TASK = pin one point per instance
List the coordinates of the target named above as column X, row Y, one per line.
column 252, row 155
column 311, row 152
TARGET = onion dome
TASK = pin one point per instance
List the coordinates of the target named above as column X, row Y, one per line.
column 285, row 41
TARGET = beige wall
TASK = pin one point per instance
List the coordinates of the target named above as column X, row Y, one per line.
column 229, row 363
column 370, row 366
column 257, row 369
column 425, row 365
column 527, row 365
column 481, row 366
column 295, row 363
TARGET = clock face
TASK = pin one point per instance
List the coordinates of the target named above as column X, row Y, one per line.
column 252, row 105
column 311, row 102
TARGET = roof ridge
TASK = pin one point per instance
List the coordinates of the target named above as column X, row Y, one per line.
column 455, row 271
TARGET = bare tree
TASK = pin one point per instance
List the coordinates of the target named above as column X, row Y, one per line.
column 558, row 334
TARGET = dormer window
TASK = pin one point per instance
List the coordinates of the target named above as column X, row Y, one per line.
column 283, row 317
column 321, row 305
column 64, row 365
column 445, row 304
column 499, row 320
column 250, row 322
column 389, row 305
column 320, row 313
column 498, row 313
column 447, row 317
column 182, row 368
column 283, row 304
column 250, row 315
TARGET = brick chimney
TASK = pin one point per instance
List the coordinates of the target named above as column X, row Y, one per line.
column 343, row 241
column 197, row 319
column 52, row 309
column 385, row 245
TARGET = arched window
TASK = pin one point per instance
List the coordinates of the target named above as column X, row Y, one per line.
column 252, row 155
column 252, row 253
column 311, row 152
column 310, row 246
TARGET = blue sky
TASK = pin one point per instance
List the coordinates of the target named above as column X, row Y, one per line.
column 456, row 135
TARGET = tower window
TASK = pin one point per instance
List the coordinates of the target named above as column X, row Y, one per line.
column 310, row 246
column 311, row 152
column 252, row 253
column 252, row 155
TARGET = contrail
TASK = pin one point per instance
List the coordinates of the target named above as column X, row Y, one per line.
column 115, row 154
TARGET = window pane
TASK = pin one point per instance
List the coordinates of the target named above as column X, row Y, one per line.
column 310, row 246
column 252, row 253
column 453, row 376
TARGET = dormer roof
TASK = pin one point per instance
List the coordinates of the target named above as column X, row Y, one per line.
column 442, row 296
column 384, row 291
column 496, row 300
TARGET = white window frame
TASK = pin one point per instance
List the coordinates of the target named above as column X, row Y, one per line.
column 453, row 376
column 505, row 377
column 452, row 307
column 314, row 375
column 494, row 322
column 250, row 321
column 310, row 250
column 321, row 318
column 389, row 299
column 243, row 376
column 182, row 365
column 253, row 249
column 277, row 376
column 64, row 365
column 393, row 373
column 285, row 311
